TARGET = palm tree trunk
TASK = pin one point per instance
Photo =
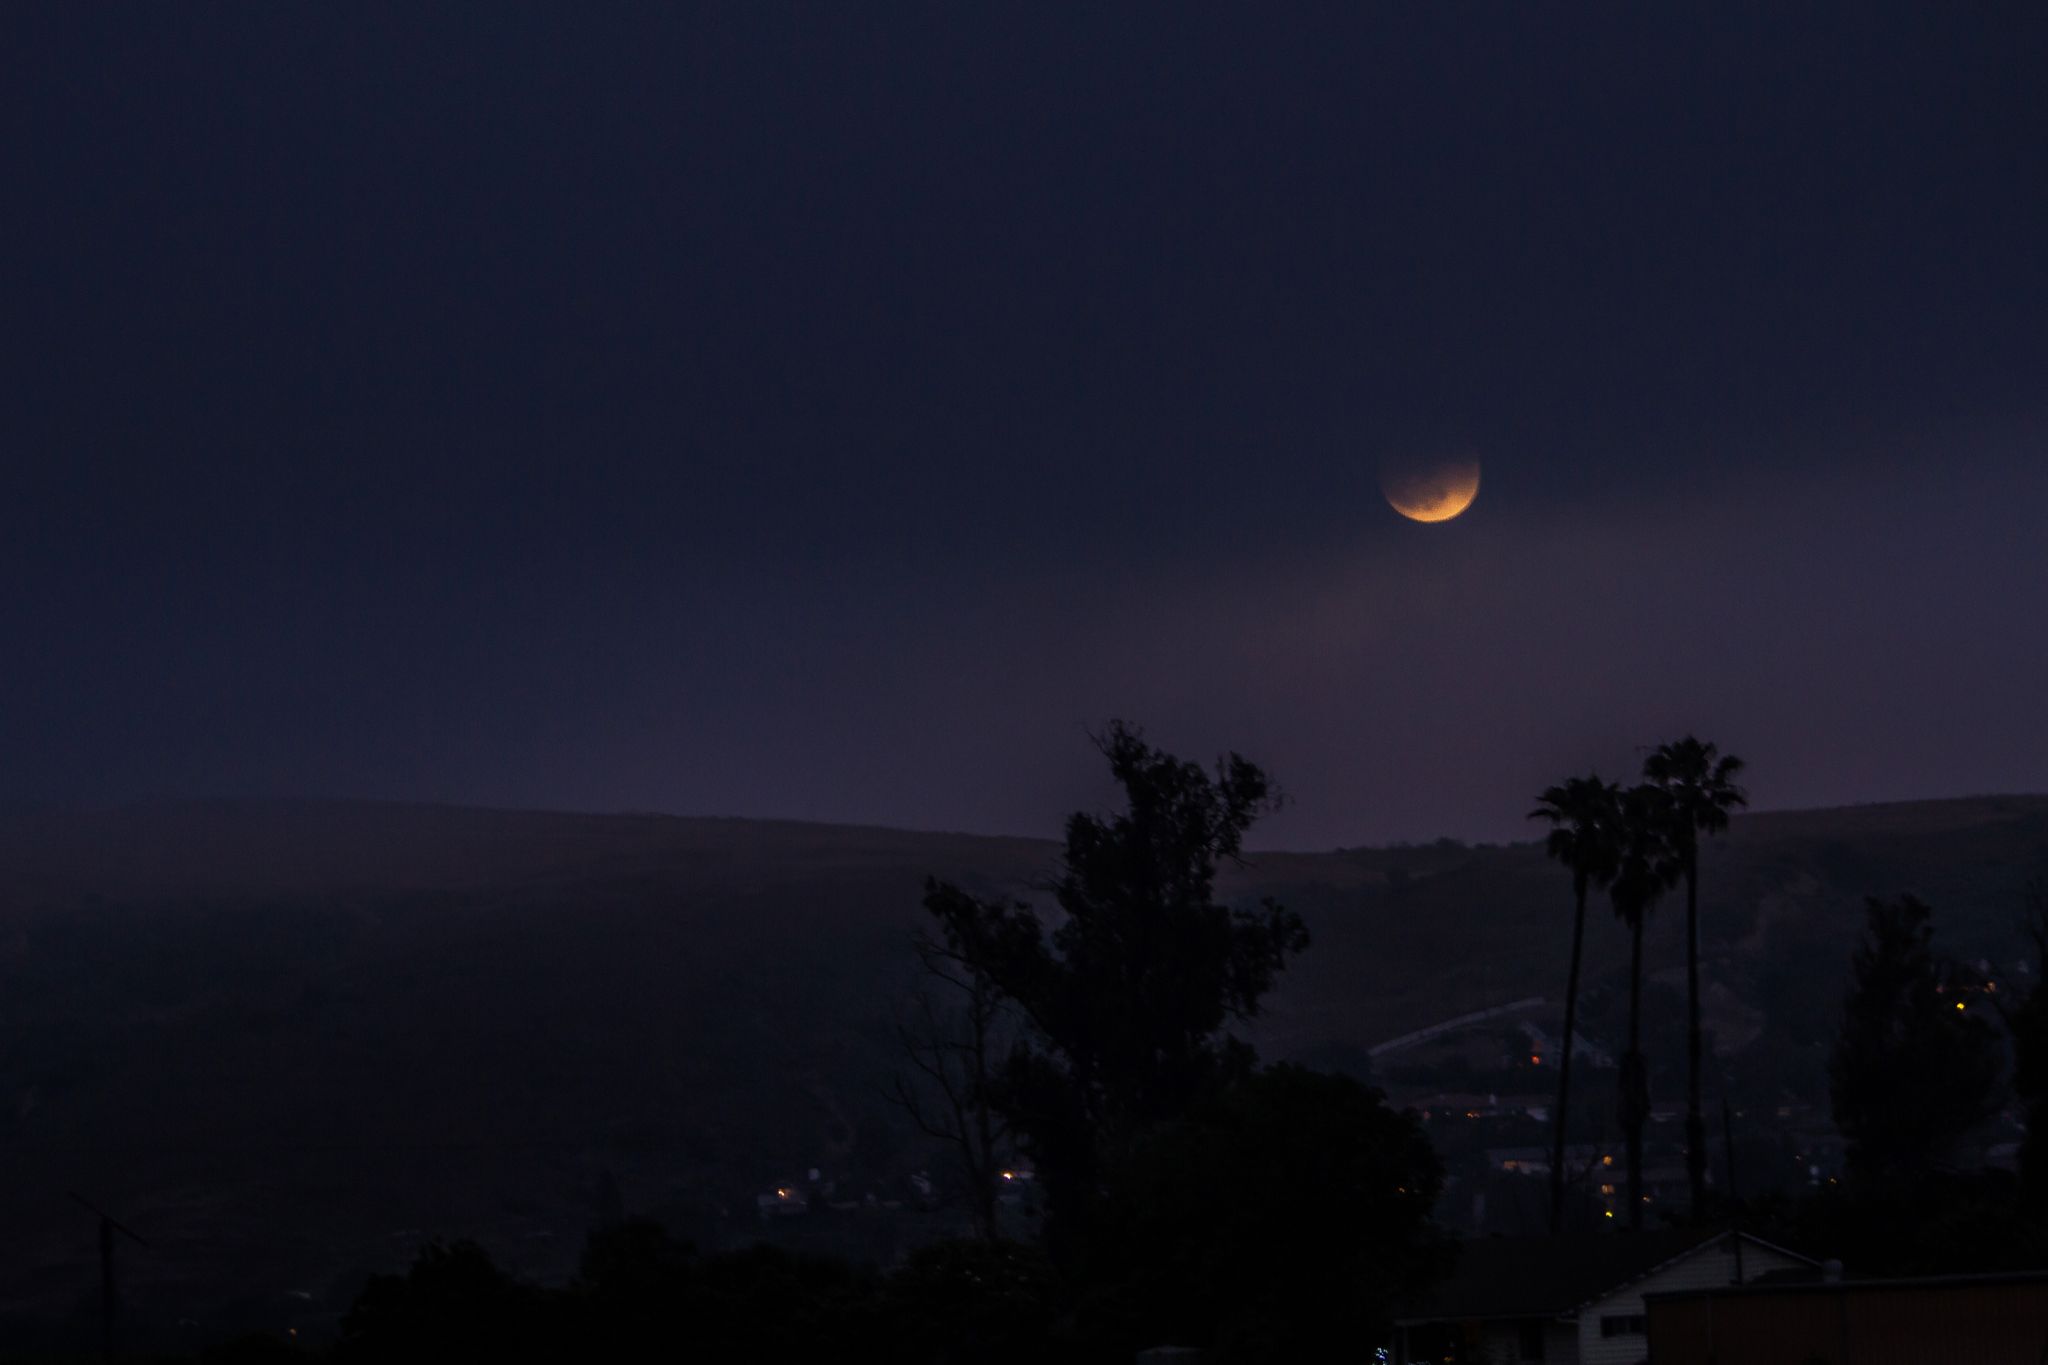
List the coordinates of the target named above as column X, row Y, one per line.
column 1564, row 1062
column 1634, row 1077
column 1695, row 1122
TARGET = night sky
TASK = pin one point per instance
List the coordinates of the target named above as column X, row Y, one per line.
column 831, row 412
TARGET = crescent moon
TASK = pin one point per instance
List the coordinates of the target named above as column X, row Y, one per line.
column 1434, row 492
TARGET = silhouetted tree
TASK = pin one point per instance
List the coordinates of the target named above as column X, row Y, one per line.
column 1128, row 998
column 2028, row 1024
column 634, row 1281
column 954, row 1034
column 640, row 1295
column 453, row 1304
column 1913, row 1070
column 1585, row 835
column 1647, row 867
column 647, row 1297
column 1700, row 783
column 766, row 1304
column 1279, row 1220
column 985, row 1302
column 1966, row 1222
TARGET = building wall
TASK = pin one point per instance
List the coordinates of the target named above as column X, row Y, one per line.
column 1709, row 1268
column 1893, row 1324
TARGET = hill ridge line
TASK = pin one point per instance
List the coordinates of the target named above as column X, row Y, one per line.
column 312, row 805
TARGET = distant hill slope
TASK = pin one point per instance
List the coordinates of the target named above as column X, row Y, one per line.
column 288, row 1039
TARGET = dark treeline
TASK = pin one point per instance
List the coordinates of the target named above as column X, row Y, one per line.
column 642, row 1295
column 1197, row 1197
column 1193, row 1195
column 1250, row 1226
column 1925, row 1054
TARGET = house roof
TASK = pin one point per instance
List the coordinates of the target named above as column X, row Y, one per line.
column 1540, row 1277
column 1770, row 1284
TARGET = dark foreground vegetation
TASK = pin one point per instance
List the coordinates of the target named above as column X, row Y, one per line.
column 1927, row 1054
column 1195, row 1196
column 1267, row 1212
column 1095, row 1036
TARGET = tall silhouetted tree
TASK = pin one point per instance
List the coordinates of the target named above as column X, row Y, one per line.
column 1128, row 998
column 1700, row 782
column 1913, row 1070
column 1585, row 835
column 1646, row 867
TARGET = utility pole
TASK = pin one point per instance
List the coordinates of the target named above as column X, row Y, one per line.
column 1728, row 1140
column 109, row 1299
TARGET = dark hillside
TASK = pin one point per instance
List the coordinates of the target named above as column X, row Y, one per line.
column 287, row 1041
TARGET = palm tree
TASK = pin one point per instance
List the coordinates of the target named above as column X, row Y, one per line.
column 1700, row 784
column 1584, row 815
column 1646, row 868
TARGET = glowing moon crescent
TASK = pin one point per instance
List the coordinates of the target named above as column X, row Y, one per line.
column 1432, row 492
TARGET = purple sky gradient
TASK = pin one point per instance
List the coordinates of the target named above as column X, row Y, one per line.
column 806, row 412
column 1852, row 631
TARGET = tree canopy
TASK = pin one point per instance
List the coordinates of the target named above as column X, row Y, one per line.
column 1914, row 1069
column 1279, row 1221
column 1129, row 995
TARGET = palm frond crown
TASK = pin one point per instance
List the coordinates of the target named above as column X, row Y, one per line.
column 1700, row 780
column 1585, row 834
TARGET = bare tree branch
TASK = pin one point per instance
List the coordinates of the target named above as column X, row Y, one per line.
column 952, row 1051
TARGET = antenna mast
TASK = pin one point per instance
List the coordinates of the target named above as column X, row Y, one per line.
column 109, row 1298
